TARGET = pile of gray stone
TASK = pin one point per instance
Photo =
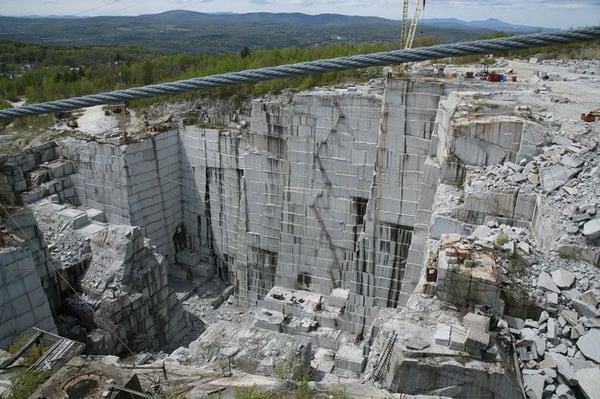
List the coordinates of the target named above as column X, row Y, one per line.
column 564, row 173
column 558, row 352
column 590, row 67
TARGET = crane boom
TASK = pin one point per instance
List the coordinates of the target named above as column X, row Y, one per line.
column 407, row 34
column 413, row 26
column 405, row 28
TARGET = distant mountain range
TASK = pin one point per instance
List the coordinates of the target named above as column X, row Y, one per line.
column 489, row 24
column 194, row 32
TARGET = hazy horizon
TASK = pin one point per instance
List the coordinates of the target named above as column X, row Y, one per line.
column 537, row 13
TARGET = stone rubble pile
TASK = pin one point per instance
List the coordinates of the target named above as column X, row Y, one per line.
column 515, row 253
column 589, row 67
column 226, row 345
column 67, row 245
column 565, row 173
column 559, row 351
column 553, row 280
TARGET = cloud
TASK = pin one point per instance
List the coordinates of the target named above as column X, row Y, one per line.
column 519, row 3
column 189, row 3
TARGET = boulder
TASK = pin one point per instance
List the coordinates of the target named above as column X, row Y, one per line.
column 570, row 316
column 545, row 283
column 564, row 392
column 588, row 378
column 534, row 385
column 564, row 368
column 588, row 345
column 553, row 177
column 591, row 229
column 585, row 305
column 563, row 278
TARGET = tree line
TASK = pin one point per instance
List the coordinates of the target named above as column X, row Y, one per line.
column 41, row 73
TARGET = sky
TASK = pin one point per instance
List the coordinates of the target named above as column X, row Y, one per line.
column 539, row 13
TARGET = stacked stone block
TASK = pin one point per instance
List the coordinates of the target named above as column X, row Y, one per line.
column 100, row 181
column 16, row 168
column 51, row 179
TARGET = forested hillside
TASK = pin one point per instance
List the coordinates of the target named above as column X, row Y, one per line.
column 41, row 73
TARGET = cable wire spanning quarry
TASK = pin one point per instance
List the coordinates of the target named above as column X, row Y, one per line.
column 311, row 67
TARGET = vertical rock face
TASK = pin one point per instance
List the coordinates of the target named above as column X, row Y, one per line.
column 26, row 226
column 406, row 177
column 288, row 203
column 331, row 155
column 24, row 303
column 327, row 190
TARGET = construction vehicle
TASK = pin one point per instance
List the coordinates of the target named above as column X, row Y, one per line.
column 407, row 34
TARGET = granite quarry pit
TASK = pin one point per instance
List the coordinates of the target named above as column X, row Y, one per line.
column 426, row 236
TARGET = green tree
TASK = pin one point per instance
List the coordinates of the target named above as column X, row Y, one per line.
column 245, row 52
column 147, row 72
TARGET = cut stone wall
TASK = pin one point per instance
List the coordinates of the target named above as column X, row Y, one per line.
column 152, row 175
column 136, row 184
column 99, row 181
column 213, row 198
column 25, row 225
column 392, row 248
column 24, row 303
column 331, row 189
column 331, row 153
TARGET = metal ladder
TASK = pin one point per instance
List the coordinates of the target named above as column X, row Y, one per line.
column 381, row 368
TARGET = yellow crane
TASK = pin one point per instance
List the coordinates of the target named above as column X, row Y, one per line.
column 407, row 35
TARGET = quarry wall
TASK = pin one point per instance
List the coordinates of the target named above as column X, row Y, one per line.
column 320, row 193
column 331, row 189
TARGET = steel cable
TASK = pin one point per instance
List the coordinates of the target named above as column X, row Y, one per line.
column 310, row 67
